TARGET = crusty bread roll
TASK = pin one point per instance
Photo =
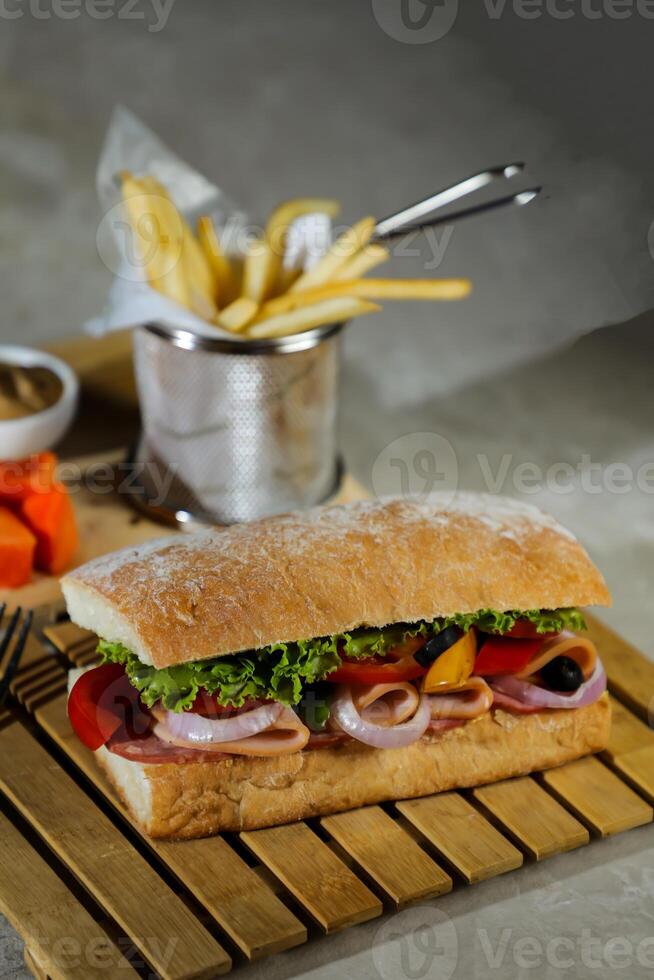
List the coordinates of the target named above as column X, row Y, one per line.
column 201, row 798
column 330, row 570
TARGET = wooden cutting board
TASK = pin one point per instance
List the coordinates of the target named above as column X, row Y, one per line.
column 107, row 522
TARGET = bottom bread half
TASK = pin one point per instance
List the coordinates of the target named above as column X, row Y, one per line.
column 243, row 793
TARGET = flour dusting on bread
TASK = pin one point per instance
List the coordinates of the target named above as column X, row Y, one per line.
column 331, row 570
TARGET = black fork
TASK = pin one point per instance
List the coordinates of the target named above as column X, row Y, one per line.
column 19, row 646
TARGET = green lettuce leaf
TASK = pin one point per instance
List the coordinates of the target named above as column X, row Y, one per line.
column 492, row 621
column 278, row 672
column 283, row 670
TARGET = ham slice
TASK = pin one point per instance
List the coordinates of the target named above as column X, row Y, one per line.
column 437, row 725
column 327, row 740
column 564, row 644
column 508, row 703
column 472, row 699
column 286, row 734
column 386, row 704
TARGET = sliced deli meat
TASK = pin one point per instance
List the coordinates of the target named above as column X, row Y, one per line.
column 472, row 699
column 439, row 725
column 565, row 644
column 508, row 703
column 386, row 704
column 285, row 733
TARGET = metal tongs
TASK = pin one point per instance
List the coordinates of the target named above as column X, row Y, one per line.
column 426, row 213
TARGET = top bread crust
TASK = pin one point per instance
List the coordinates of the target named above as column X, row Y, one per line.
column 330, row 570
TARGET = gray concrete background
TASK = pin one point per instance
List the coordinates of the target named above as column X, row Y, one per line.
column 297, row 96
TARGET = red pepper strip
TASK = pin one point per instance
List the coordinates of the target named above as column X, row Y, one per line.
column 399, row 664
column 102, row 701
column 501, row 655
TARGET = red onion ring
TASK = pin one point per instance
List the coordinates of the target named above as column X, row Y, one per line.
column 381, row 736
column 198, row 730
column 535, row 696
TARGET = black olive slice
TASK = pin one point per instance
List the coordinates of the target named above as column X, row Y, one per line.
column 437, row 645
column 562, row 674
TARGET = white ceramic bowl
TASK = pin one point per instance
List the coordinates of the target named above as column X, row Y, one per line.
column 34, row 433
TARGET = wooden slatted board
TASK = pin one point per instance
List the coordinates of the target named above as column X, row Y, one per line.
column 73, row 862
column 389, row 856
column 459, row 833
column 532, row 818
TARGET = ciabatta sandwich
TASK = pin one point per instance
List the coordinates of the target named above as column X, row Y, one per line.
column 318, row 661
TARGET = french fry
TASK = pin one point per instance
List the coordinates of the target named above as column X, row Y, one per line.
column 285, row 280
column 333, row 310
column 237, row 265
column 277, row 230
column 371, row 289
column 289, row 211
column 187, row 276
column 432, row 289
column 200, row 277
column 197, row 263
column 340, row 252
column 365, row 260
column 238, row 314
column 226, row 287
column 257, row 270
column 198, row 272
column 158, row 238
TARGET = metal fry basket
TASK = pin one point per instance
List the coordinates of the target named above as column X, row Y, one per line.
column 235, row 430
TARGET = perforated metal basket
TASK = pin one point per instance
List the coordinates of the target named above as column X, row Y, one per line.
column 235, row 430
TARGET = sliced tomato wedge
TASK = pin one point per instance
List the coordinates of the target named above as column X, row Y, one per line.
column 526, row 630
column 399, row 664
column 504, row 655
column 207, row 705
column 101, row 702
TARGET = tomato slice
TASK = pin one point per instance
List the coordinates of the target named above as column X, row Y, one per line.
column 207, row 705
column 523, row 629
column 504, row 655
column 101, row 702
column 399, row 664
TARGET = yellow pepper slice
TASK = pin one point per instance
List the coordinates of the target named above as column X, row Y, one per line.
column 453, row 667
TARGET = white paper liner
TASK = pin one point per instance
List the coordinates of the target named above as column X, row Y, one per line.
column 130, row 146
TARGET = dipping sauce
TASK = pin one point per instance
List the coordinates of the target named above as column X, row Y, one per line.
column 27, row 390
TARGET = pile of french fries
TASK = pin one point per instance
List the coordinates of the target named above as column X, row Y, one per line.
column 258, row 295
